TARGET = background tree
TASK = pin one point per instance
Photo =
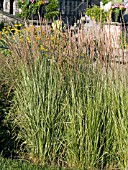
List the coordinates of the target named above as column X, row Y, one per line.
column 30, row 7
column 51, row 9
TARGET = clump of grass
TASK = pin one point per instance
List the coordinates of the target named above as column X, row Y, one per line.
column 70, row 110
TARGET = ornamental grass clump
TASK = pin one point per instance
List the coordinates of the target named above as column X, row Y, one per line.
column 71, row 105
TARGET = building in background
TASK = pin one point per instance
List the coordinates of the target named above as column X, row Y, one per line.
column 70, row 10
column 9, row 6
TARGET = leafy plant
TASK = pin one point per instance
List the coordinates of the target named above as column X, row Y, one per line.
column 105, row 1
column 51, row 9
column 29, row 7
column 97, row 14
column 117, row 12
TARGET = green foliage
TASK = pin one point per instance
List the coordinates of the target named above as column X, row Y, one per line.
column 51, row 9
column 97, row 14
column 117, row 12
column 105, row 1
column 28, row 8
column 116, row 1
column 9, row 164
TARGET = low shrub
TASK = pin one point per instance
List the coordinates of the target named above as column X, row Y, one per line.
column 98, row 14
